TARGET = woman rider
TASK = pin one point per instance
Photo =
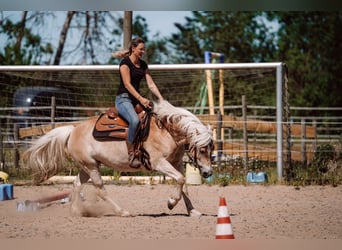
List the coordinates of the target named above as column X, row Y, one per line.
column 132, row 70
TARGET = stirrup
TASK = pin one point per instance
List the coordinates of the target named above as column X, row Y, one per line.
column 134, row 162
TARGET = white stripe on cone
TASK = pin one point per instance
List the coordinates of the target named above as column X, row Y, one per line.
column 224, row 229
column 222, row 212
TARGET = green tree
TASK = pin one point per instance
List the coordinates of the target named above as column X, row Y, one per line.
column 241, row 36
column 157, row 51
column 310, row 43
column 22, row 46
column 96, row 31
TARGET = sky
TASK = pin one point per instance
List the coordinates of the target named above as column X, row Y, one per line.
column 163, row 21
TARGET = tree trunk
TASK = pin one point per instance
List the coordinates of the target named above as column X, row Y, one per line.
column 62, row 38
column 127, row 28
column 21, row 32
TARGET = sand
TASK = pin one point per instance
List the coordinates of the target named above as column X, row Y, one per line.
column 256, row 212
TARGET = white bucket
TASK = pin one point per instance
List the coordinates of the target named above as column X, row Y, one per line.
column 192, row 175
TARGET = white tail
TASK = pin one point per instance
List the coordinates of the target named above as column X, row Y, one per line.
column 47, row 154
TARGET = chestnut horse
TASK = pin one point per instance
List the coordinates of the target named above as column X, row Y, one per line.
column 171, row 129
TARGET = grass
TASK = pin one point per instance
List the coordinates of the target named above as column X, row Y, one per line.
column 325, row 169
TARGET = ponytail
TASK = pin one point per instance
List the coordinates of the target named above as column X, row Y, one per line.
column 133, row 43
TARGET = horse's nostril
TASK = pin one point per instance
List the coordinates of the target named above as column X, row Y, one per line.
column 207, row 174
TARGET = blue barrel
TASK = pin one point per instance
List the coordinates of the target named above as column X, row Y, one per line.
column 6, row 192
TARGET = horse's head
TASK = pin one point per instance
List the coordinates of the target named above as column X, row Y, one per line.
column 201, row 157
column 182, row 123
column 200, row 154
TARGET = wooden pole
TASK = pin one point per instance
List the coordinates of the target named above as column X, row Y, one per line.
column 210, row 92
column 2, row 158
column 245, row 137
column 53, row 111
column 304, row 160
column 221, row 92
column 211, row 98
column 219, row 136
column 314, row 125
column 127, row 28
column 221, row 98
column 16, row 150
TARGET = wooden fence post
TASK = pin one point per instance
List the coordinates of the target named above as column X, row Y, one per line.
column 314, row 125
column 16, row 150
column 2, row 158
column 53, row 111
column 245, row 136
column 304, row 160
column 219, row 136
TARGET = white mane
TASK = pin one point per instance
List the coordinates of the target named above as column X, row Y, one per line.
column 199, row 134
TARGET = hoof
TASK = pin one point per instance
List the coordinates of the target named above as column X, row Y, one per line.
column 195, row 213
column 125, row 213
column 171, row 203
column 76, row 211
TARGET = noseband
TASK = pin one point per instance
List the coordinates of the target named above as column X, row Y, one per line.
column 193, row 156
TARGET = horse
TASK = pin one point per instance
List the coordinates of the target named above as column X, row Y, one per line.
column 171, row 129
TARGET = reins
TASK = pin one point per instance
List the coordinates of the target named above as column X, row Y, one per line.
column 141, row 136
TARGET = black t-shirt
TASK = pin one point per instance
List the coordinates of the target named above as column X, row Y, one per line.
column 136, row 75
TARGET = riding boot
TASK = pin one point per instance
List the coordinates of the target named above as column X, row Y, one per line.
column 134, row 162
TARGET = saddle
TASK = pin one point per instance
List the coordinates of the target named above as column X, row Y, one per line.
column 111, row 126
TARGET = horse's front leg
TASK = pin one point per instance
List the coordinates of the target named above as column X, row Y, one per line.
column 189, row 207
column 166, row 168
column 174, row 199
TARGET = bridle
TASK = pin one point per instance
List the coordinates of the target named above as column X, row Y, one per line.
column 192, row 153
column 194, row 158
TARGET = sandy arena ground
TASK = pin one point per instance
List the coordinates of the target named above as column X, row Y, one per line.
column 256, row 212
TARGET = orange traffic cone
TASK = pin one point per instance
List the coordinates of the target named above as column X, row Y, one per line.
column 223, row 227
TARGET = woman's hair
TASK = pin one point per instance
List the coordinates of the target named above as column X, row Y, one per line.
column 132, row 44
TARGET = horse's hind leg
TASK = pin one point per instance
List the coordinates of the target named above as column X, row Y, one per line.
column 103, row 194
column 76, row 207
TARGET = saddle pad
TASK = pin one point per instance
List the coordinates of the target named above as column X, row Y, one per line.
column 107, row 128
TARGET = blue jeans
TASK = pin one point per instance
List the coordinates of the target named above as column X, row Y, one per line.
column 126, row 109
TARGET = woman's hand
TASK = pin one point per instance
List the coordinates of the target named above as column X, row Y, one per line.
column 145, row 102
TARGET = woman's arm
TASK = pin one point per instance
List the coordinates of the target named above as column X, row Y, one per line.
column 152, row 86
